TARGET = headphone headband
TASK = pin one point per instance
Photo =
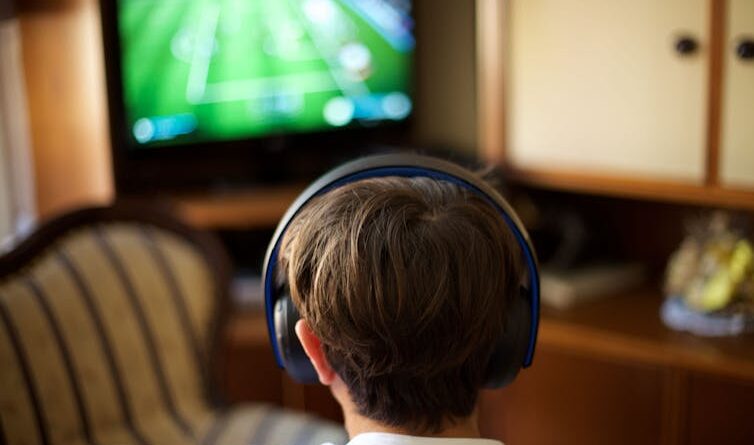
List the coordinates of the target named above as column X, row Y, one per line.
column 410, row 166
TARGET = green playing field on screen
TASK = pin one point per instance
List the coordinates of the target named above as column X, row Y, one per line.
column 205, row 70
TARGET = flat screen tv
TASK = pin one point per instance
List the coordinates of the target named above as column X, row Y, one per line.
column 213, row 91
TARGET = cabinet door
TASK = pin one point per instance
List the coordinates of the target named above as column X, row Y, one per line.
column 570, row 399
column 720, row 411
column 737, row 130
column 598, row 86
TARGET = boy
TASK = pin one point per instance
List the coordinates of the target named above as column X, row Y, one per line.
column 402, row 285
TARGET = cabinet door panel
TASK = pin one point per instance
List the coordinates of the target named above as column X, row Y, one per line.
column 720, row 411
column 737, row 130
column 596, row 86
column 569, row 399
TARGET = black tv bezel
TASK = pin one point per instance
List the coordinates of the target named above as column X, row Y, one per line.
column 291, row 157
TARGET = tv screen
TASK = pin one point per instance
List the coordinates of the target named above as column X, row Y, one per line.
column 222, row 70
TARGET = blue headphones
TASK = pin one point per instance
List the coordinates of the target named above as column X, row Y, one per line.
column 515, row 348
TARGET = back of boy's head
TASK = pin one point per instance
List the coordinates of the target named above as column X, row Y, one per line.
column 405, row 282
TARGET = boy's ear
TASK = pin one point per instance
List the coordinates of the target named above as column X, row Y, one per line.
column 313, row 349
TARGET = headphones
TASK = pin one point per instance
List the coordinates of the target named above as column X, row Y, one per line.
column 515, row 347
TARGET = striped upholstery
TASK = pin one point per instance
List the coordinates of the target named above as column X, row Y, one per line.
column 105, row 339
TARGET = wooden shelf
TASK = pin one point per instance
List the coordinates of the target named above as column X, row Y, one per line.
column 263, row 207
column 628, row 328
column 636, row 188
column 240, row 209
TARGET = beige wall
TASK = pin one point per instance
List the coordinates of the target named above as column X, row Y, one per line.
column 17, row 212
column 6, row 209
column 6, row 214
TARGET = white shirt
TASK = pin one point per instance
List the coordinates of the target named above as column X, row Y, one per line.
column 400, row 439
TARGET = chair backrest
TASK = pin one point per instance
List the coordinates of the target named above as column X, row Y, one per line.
column 107, row 320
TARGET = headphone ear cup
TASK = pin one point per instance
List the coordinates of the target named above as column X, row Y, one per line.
column 508, row 356
column 295, row 360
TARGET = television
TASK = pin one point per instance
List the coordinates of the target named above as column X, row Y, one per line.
column 208, row 92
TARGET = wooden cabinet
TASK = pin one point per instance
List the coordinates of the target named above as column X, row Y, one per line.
column 610, row 372
column 719, row 410
column 570, row 399
column 598, row 86
column 643, row 99
column 737, row 117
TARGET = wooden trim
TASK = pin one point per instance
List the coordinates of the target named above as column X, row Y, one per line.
column 715, row 89
column 674, row 401
column 66, row 102
column 630, row 187
column 491, row 37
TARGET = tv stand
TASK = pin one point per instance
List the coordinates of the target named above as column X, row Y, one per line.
column 257, row 207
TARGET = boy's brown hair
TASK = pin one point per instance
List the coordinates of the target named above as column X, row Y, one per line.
column 405, row 282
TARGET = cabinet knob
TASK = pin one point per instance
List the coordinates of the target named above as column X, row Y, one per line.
column 686, row 45
column 745, row 49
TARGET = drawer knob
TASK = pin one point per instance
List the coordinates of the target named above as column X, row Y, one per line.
column 686, row 46
column 745, row 49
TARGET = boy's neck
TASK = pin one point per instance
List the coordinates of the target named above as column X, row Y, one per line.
column 356, row 424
